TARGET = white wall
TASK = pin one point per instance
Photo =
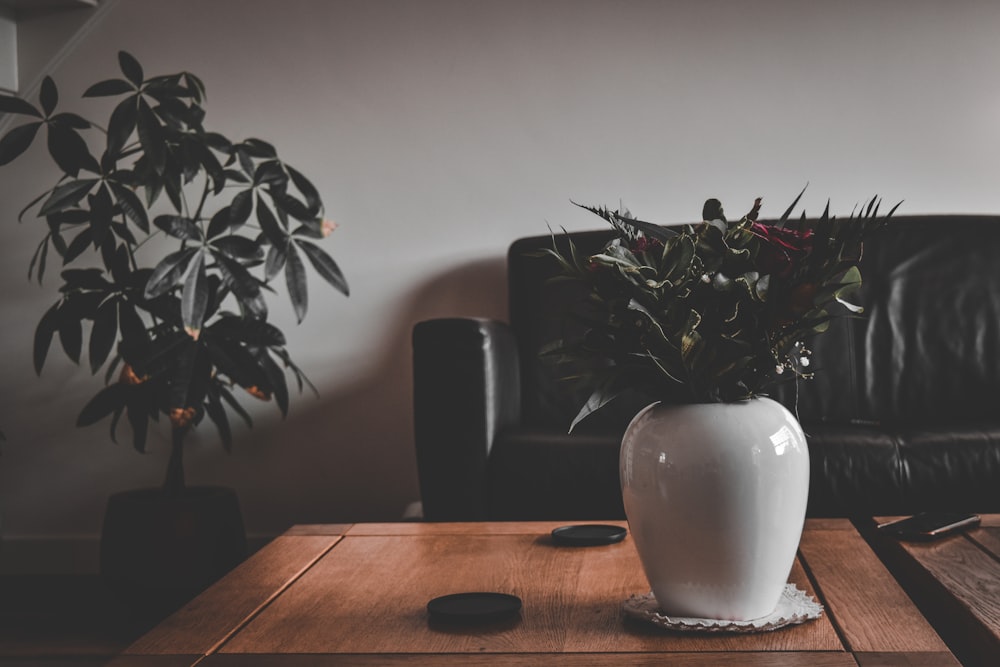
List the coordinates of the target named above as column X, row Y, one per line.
column 438, row 131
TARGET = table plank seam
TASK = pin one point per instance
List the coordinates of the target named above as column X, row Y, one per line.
column 263, row 605
column 834, row 621
column 982, row 547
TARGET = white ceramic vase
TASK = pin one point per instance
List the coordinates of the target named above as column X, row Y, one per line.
column 715, row 496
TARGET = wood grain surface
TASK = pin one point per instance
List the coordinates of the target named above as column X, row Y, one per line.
column 869, row 607
column 313, row 598
column 369, row 595
column 794, row 659
column 199, row 626
column 956, row 582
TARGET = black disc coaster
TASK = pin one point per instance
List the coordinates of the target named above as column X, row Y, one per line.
column 588, row 535
column 473, row 607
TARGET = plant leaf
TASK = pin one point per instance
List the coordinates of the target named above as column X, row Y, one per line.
column 168, row 272
column 295, row 278
column 47, row 326
column 12, row 104
column 106, row 401
column 239, row 210
column 131, row 205
column 109, row 87
column 130, row 67
column 121, row 125
column 49, row 96
column 244, row 286
column 178, row 227
column 103, row 334
column 70, row 151
column 275, row 262
column 70, row 334
column 67, row 195
column 194, row 298
column 269, row 225
column 307, row 189
column 217, row 413
column 239, row 247
column 17, row 141
column 324, row 265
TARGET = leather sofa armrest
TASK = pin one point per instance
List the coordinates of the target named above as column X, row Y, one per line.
column 466, row 388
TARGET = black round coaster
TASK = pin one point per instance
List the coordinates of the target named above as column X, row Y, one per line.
column 588, row 535
column 473, row 607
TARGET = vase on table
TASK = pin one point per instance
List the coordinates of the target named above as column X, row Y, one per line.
column 715, row 495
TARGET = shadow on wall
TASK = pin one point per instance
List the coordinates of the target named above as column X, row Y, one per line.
column 349, row 455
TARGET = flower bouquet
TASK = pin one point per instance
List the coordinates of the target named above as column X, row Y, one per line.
column 711, row 312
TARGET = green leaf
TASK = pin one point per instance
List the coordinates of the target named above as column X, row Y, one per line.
column 601, row 396
column 169, row 272
column 138, row 419
column 245, row 287
column 106, row 401
column 47, row 326
column 121, row 125
column 109, row 87
column 70, row 151
column 103, row 334
column 17, row 141
column 308, row 191
column 237, row 408
column 217, row 413
column 295, row 278
column 39, row 257
column 219, row 224
column 194, row 298
column 151, row 138
column 49, row 95
column 239, row 247
column 795, row 202
column 269, row 225
column 70, row 334
column 71, row 120
column 239, row 210
column 11, row 104
column 76, row 247
column 324, row 265
column 275, row 262
column 178, row 227
column 130, row 67
column 67, row 195
column 259, row 149
column 131, row 205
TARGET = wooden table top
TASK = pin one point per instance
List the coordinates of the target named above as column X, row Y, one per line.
column 956, row 582
column 357, row 594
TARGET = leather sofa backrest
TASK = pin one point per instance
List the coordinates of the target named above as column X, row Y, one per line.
column 926, row 350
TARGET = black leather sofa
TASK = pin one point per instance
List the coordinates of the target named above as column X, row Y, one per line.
column 903, row 416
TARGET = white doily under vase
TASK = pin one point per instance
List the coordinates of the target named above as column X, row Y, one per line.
column 795, row 606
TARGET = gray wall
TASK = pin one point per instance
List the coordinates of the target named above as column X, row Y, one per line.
column 439, row 131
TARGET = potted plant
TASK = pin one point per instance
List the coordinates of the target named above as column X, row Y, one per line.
column 702, row 320
column 169, row 235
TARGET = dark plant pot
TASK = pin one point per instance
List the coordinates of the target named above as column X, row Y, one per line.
column 158, row 551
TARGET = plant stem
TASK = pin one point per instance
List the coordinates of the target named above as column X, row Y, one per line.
column 174, row 482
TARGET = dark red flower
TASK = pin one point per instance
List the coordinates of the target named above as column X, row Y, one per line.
column 782, row 248
column 644, row 243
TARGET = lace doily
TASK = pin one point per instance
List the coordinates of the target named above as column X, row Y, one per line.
column 795, row 606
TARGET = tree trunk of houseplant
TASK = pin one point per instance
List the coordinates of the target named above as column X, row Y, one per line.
column 162, row 546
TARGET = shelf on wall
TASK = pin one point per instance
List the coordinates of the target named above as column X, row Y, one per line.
column 10, row 12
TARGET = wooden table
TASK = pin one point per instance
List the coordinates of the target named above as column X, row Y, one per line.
column 357, row 594
column 956, row 583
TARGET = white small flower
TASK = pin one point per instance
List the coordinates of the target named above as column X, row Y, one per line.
column 804, row 361
column 779, row 369
column 705, row 278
